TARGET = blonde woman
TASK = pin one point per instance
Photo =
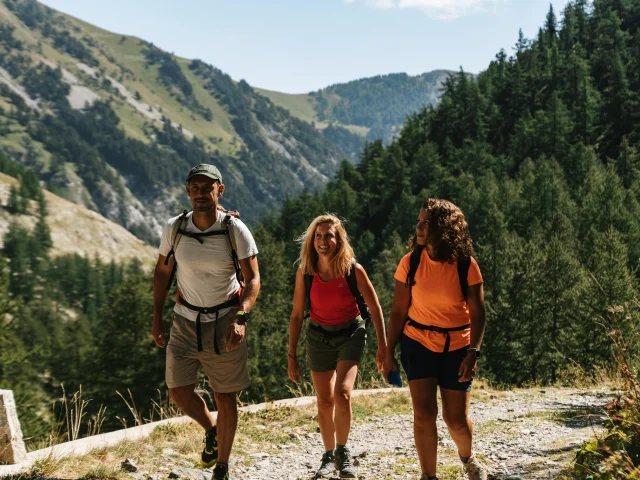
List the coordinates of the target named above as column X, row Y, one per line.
column 336, row 334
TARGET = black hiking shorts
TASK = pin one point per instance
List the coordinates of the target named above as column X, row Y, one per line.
column 420, row 362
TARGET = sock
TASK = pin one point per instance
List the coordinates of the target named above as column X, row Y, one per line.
column 465, row 459
column 433, row 477
column 222, row 466
column 340, row 447
column 329, row 451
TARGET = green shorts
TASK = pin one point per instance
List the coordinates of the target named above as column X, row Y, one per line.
column 325, row 351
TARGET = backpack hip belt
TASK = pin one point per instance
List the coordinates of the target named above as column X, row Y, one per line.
column 207, row 310
column 329, row 334
column 434, row 328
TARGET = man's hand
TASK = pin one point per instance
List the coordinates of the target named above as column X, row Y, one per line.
column 235, row 335
column 159, row 336
column 381, row 354
column 468, row 367
column 293, row 369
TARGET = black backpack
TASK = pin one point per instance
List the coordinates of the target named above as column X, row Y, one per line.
column 463, row 270
column 353, row 286
column 179, row 230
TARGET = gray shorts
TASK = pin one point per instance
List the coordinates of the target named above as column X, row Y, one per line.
column 324, row 352
column 227, row 372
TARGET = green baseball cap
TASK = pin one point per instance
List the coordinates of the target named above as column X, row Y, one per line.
column 206, row 170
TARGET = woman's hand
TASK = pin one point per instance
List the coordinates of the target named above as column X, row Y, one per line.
column 293, row 369
column 381, row 354
column 389, row 364
column 468, row 367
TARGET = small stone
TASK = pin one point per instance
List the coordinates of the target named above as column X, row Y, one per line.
column 189, row 473
column 129, row 466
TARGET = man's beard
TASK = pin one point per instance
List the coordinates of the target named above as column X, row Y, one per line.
column 204, row 207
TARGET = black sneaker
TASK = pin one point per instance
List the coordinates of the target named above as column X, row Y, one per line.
column 344, row 463
column 326, row 465
column 210, row 452
column 221, row 472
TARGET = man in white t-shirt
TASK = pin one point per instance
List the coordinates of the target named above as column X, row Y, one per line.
column 212, row 252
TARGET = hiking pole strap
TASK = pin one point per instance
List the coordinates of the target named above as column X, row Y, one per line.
column 433, row 328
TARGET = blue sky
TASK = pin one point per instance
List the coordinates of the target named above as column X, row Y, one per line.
column 296, row 46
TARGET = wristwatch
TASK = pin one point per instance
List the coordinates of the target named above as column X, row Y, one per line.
column 477, row 350
column 243, row 317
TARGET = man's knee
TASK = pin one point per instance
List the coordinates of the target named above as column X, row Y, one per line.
column 181, row 395
column 226, row 401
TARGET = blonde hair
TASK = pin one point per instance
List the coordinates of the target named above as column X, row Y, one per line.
column 341, row 262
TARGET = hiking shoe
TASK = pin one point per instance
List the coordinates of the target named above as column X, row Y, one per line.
column 343, row 462
column 326, row 465
column 210, row 452
column 475, row 470
column 221, row 472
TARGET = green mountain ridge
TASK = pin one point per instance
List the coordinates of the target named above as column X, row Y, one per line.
column 113, row 123
column 365, row 109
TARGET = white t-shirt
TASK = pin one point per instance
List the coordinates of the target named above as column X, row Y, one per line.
column 206, row 275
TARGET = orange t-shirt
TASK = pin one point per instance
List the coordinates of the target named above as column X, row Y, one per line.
column 437, row 300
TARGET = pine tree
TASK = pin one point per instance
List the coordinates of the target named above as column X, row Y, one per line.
column 15, row 205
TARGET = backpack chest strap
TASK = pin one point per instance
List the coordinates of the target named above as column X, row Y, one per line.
column 200, row 235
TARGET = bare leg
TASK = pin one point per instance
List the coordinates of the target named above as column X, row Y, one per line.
column 193, row 405
column 324, row 383
column 455, row 411
column 425, row 432
column 227, row 424
column 346, row 377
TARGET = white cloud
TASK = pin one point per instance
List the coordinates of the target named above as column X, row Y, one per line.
column 441, row 9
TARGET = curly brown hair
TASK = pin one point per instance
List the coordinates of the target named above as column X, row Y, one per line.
column 447, row 232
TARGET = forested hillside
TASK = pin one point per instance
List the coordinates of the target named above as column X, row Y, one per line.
column 540, row 151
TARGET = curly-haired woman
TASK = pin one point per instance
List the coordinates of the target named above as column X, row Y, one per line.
column 439, row 318
column 336, row 334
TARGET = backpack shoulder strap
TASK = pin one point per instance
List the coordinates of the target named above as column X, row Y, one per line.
column 175, row 240
column 352, row 282
column 228, row 224
column 463, row 273
column 308, row 280
column 414, row 263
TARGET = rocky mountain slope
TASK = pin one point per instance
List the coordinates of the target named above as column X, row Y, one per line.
column 75, row 229
column 113, row 123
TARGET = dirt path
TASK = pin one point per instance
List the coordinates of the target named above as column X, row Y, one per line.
column 525, row 434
